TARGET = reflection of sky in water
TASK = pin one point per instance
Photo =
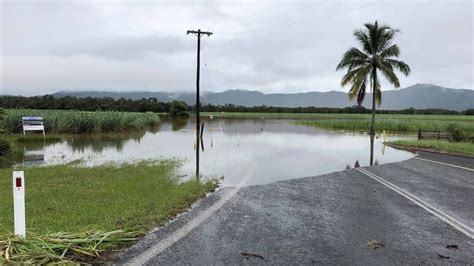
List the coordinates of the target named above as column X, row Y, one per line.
column 279, row 149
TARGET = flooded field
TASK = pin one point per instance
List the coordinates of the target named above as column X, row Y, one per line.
column 276, row 149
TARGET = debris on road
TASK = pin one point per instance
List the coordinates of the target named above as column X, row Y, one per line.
column 375, row 244
column 452, row 246
column 250, row 254
column 442, row 256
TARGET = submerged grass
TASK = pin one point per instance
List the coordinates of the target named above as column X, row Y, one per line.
column 438, row 145
column 60, row 121
column 68, row 198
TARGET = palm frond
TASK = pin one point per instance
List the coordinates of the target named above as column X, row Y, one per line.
column 391, row 51
column 364, row 40
column 349, row 76
column 352, row 58
column 386, row 38
column 378, row 94
column 355, row 75
column 359, row 84
column 399, row 65
column 361, row 94
column 389, row 74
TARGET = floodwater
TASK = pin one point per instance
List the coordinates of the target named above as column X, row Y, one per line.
column 264, row 150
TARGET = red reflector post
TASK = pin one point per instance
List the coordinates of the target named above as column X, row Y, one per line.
column 18, row 182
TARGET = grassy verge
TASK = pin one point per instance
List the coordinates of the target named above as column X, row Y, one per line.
column 466, row 148
column 357, row 122
column 68, row 198
column 59, row 121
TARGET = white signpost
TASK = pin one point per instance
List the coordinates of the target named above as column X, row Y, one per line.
column 19, row 203
column 32, row 123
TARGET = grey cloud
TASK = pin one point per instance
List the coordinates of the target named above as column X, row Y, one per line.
column 131, row 46
column 126, row 48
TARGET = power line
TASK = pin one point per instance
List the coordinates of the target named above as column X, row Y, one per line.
column 305, row 21
column 269, row 18
column 205, row 66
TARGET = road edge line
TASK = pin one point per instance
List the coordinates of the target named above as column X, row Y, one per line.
column 181, row 232
column 448, row 164
column 466, row 230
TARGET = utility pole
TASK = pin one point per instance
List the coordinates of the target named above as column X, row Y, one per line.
column 198, row 33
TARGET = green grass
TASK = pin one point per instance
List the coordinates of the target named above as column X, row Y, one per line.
column 59, row 121
column 439, row 145
column 361, row 122
column 68, row 198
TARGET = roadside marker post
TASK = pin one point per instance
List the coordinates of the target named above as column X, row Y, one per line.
column 19, row 203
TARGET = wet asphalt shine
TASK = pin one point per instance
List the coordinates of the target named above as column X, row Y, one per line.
column 413, row 212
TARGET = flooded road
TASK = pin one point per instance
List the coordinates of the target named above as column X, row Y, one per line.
column 280, row 149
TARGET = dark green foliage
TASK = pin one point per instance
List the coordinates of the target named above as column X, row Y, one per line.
column 178, row 109
column 84, row 104
column 320, row 110
column 2, row 117
column 145, row 105
column 468, row 112
column 5, row 147
column 456, row 133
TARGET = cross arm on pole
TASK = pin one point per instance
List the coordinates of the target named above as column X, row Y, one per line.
column 199, row 32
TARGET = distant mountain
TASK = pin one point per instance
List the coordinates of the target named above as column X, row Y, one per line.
column 419, row 96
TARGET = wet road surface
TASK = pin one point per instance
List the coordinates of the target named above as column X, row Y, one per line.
column 328, row 219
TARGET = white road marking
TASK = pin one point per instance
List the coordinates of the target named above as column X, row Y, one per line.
column 448, row 164
column 436, row 212
column 174, row 237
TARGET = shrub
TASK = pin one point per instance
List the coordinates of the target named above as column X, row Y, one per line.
column 178, row 108
column 5, row 147
column 455, row 132
column 468, row 112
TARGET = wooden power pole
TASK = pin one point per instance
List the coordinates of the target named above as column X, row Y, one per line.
column 198, row 33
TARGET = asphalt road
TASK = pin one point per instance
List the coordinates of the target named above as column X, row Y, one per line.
column 328, row 219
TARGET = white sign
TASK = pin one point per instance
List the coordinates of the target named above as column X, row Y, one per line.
column 33, row 128
column 32, row 123
column 19, row 203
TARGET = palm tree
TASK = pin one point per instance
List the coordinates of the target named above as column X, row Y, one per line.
column 377, row 55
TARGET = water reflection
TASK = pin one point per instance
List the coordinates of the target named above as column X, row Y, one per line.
column 34, row 154
column 176, row 123
column 97, row 143
column 229, row 147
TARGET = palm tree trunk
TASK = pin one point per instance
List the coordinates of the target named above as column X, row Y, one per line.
column 372, row 124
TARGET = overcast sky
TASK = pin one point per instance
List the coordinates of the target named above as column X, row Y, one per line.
column 48, row 46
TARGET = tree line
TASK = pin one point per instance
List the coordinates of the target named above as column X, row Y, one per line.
column 84, row 104
column 179, row 107
column 356, row 109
